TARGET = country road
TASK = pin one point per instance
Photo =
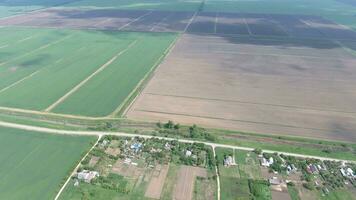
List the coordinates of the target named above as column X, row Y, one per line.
column 99, row 134
column 123, row 134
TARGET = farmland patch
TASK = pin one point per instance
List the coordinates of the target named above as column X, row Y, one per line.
column 34, row 165
column 37, row 72
column 284, row 86
column 104, row 19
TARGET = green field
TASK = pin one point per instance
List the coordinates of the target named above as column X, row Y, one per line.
column 34, row 165
column 170, row 5
column 39, row 66
column 330, row 9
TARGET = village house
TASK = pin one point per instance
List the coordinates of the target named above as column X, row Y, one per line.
column 291, row 168
column 267, row 163
column 188, row 153
column 348, row 172
column 228, row 161
column 274, row 181
column 312, row 169
column 87, row 175
column 136, row 147
column 104, row 143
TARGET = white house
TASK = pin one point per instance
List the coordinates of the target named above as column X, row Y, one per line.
column 188, row 153
column 87, row 175
column 228, row 161
column 267, row 163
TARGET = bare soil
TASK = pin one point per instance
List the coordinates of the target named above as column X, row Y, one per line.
column 93, row 161
column 112, row 151
column 280, row 195
column 300, row 87
column 126, row 170
column 185, row 184
column 156, row 184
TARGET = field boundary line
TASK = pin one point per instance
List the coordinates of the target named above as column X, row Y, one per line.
column 124, row 134
column 37, row 49
column 277, row 55
column 101, row 22
column 25, row 39
column 249, row 102
column 233, row 120
column 247, row 27
column 190, row 21
column 83, row 82
column 76, row 168
column 140, row 84
column 20, row 81
column 160, row 22
column 35, row 112
column 134, row 20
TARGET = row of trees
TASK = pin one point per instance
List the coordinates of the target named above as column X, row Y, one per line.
column 193, row 131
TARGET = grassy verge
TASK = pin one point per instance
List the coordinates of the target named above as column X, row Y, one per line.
column 315, row 147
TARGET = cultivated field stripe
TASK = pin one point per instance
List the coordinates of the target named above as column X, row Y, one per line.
column 165, row 53
column 38, row 49
column 77, row 87
column 19, row 81
column 135, row 20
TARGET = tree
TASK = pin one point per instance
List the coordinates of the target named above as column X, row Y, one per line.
column 194, row 132
column 258, row 151
column 177, row 126
column 169, row 125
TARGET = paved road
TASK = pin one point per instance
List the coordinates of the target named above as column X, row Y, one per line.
column 123, row 134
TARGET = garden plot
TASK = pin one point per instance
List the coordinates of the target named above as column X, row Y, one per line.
column 104, row 19
column 154, row 188
column 290, row 86
column 144, row 169
column 185, row 183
